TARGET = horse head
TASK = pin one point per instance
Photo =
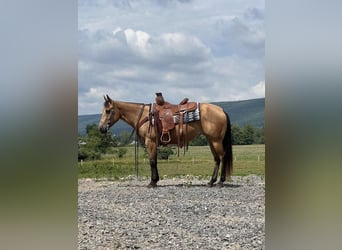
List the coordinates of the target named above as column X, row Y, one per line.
column 110, row 115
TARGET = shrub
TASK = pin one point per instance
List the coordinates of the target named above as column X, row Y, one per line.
column 164, row 153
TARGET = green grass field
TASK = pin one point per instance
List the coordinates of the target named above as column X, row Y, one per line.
column 198, row 161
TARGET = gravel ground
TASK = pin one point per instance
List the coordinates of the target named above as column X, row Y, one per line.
column 182, row 213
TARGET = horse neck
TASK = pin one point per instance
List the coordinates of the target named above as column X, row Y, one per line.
column 129, row 112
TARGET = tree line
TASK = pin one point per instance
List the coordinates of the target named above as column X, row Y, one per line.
column 94, row 144
column 246, row 135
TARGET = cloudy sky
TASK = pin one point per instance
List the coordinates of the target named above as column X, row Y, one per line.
column 204, row 50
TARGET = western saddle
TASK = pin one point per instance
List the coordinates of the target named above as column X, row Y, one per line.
column 164, row 119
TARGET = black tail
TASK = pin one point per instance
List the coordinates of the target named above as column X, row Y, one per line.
column 228, row 149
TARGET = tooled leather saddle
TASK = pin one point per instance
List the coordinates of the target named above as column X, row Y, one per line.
column 167, row 115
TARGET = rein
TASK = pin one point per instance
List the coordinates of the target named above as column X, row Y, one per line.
column 136, row 145
column 137, row 123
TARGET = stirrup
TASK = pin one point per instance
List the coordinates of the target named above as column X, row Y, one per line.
column 162, row 137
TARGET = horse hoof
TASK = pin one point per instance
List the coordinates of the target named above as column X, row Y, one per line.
column 220, row 184
column 210, row 184
column 152, row 185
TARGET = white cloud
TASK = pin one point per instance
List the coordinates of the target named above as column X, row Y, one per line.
column 259, row 89
column 93, row 92
column 208, row 51
column 117, row 30
column 137, row 40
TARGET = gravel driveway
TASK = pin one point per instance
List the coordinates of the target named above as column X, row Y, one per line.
column 182, row 213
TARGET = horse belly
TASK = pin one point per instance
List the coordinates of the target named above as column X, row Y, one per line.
column 189, row 132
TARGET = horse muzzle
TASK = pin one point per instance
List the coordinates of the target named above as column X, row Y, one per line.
column 103, row 129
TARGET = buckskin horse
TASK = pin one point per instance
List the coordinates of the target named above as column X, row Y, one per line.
column 214, row 123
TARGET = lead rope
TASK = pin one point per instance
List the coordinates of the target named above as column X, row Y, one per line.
column 136, row 154
column 136, row 145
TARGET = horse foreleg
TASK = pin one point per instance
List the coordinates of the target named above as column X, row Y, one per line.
column 154, row 172
column 152, row 152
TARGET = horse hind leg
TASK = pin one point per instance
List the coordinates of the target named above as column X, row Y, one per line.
column 215, row 172
column 223, row 171
column 218, row 152
column 216, row 167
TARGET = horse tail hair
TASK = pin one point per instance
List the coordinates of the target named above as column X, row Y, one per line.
column 228, row 149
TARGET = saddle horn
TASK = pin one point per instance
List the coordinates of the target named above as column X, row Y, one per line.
column 160, row 99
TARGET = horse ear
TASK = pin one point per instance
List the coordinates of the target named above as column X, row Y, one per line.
column 108, row 98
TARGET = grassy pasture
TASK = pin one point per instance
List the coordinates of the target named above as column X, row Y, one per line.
column 198, row 161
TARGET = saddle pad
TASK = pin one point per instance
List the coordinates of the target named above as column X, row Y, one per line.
column 190, row 116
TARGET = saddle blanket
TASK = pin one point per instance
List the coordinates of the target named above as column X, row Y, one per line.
column 188, row 116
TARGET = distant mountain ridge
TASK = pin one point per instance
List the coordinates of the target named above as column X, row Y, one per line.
column 240, row 112
column 245, row 112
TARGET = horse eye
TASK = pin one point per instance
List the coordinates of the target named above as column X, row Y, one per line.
column 107, row 111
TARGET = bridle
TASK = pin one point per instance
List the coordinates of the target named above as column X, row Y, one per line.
column 109, row 113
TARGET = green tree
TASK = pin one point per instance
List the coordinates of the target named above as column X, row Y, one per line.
column 121, row 152
column 247, row 135
column 95, row 143
column 248, row 132
column 100, row 142
column 200, row 140
column 124, row 138
column 259, row 136
column 164, row 152
column 236, row 135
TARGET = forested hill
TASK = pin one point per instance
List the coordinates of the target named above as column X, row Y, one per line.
column 240, row 112
column 245, row 112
